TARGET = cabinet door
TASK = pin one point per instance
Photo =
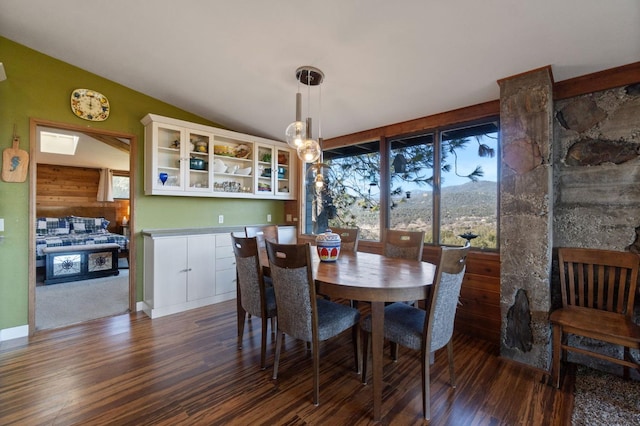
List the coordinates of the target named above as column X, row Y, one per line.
column 197, row 160
column 201, row 255
column 265, row 170
column 170, row 271
column 166, row 146
column 285, row 173
column 225, row 265
column 233, row 166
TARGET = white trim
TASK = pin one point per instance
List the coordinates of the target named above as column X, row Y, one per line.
column 14, row 332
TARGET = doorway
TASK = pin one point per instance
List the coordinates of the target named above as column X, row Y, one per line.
column 101, row 142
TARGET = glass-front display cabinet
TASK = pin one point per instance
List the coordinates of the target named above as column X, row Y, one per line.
column 189, row 159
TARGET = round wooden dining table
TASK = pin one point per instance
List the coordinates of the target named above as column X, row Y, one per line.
column 376, row 279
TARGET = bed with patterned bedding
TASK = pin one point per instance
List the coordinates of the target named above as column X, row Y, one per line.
column 84, row 239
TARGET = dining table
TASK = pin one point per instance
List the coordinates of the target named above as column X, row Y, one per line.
column 376, row 279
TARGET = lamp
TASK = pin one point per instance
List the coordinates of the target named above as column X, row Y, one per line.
column 299, row 133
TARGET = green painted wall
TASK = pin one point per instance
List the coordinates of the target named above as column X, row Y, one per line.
column 39, row 86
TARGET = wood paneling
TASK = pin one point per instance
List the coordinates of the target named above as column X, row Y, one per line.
column 65, row 190
column 186, row 369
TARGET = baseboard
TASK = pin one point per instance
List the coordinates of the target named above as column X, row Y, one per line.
column 140, row 306
column 14, row 332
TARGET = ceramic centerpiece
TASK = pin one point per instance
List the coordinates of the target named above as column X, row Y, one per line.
column 328, row 246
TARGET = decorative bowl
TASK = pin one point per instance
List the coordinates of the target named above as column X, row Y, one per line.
column 244, row 172
column 328, row 246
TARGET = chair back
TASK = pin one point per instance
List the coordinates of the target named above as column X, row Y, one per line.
column 403, row 244
column 249, row 275
column 348, row 238
column 263, row 233
column 443, row 299
column 295, row 290
column 600, row 279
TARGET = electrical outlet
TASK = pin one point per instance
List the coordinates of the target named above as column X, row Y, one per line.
column 1, row 225
column 221, row 219
column 268, row 218
column 288, row 218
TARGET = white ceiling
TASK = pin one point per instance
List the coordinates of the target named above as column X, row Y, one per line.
column 234, row 62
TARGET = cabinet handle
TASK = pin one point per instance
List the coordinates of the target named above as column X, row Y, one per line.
column 186, row 270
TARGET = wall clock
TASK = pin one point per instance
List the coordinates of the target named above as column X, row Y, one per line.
column 90, row 105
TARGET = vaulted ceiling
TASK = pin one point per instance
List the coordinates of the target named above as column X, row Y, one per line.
column 234, row 62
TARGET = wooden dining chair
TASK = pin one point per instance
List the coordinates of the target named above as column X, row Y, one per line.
column 301, row 314
column 426, row 331
column 348, row 238
column 254, row 298
column 403, row 244
column 598, row 290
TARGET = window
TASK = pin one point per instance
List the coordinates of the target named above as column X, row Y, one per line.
column 446, row 188
column 120, row 185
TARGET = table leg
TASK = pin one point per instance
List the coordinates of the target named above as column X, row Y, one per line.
column 377, row 343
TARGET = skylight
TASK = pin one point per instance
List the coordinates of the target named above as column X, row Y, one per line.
column 58, row 143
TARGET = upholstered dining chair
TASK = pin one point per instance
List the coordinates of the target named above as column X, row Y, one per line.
column 348, row 238
column 254, row 298
column 301, row 314
column 426, row 331
column 403, row 244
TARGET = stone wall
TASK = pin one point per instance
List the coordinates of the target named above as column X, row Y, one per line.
column 597, row 169
column 597, row 184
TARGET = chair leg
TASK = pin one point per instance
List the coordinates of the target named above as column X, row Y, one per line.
column 276, row 357
column 357, row 350
column 241, row 318
column 426, row 387
column 452, row 373
column 316, row 374
column 366, row 349
column 263, row 344
column 557, row 349
column 394, row 351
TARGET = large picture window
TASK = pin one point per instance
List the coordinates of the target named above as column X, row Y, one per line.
column 443, row 182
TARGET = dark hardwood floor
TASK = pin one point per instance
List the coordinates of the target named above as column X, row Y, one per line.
column 186, row 369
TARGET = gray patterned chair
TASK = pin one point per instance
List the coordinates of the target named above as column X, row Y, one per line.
column 254, row 298
column 426, row 331
column 348, row 238
column 301, row 314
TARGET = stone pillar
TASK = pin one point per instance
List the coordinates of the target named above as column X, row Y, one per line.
column 526, row 198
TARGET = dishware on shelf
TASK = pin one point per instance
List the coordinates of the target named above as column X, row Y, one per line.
column 242, row 151
column 281, row 172
column 202, row 146
column 219, row 166
column 245, row 171
column 328, row 246
column 197, row 164
column 163, row 177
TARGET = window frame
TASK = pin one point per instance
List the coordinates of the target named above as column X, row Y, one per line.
column 385, row 141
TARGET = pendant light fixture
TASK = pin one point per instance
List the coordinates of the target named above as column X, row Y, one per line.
column 299, row 133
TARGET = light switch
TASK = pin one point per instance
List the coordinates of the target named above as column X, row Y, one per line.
column 1, row 225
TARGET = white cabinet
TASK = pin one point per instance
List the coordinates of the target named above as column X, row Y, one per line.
column 181, row 272
column 225, row 266
column 190, row 159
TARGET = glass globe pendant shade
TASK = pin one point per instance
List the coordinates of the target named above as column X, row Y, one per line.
column 296, row 133
column 309, row 151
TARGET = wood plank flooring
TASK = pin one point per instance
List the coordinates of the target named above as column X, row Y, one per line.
column 186, row 369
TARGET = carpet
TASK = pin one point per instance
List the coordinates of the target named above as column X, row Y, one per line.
column 58, row 305
column 604, row 399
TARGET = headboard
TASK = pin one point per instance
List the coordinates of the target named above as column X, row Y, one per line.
column 108, row 212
